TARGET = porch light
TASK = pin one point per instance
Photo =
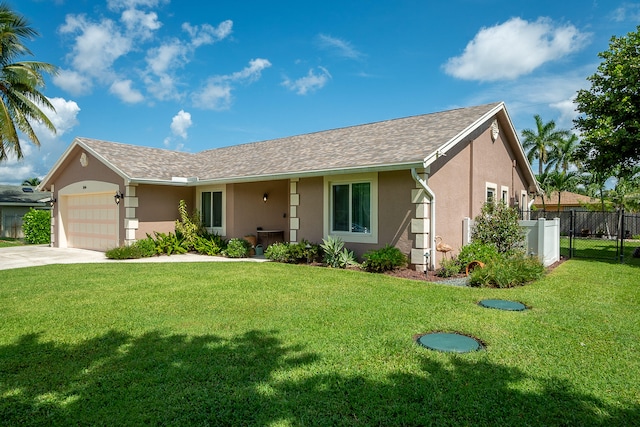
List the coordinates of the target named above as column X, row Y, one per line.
column 118, row 196
column 52, row 201
column 265, row 196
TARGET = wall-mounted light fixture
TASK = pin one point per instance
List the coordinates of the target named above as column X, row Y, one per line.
column 52, row 201
column 265, row 196
column 118, row 196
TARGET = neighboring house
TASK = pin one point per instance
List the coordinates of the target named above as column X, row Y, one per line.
column 399, row 182
column 15, row 201
column 568, row 201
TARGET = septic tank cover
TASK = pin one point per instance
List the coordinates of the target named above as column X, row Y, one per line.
column 501, row 304
column 449, row 342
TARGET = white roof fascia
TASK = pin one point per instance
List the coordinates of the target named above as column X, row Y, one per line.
column 442, row 150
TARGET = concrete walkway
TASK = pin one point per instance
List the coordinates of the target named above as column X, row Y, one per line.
column 34, row 255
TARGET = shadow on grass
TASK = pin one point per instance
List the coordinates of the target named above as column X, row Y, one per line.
column 118, row 379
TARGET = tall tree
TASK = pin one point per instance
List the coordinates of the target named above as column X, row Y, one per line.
column 562, row 181
column 563, row 153
column 609, row 120
column 20, row 84
column 539, row 142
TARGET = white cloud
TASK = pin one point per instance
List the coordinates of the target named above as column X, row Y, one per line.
column 73, row 82
column 180, row 123
column 216, row 95
column 514, row 48
column 123, row 90
column 208, row 34
column 627, row 12
column 311, row 82
column 165, row 57
column 340, row 47
column 140, row 23
column 118, row 5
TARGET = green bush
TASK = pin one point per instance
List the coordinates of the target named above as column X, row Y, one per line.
column 237, row 248
column 36, row 226
column 449, row 267
column 168, row 244
column 384, row 259
column 507, row 272
column 498, row 225
column 476, row 251
column 188, row 227
column 209, row 245
column 295, row 253
column 147, row 247
column 335, row 254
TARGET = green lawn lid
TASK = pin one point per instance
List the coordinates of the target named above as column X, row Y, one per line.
column 448, row 342
column 501, row 304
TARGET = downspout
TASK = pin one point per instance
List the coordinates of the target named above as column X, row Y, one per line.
column 432, row 216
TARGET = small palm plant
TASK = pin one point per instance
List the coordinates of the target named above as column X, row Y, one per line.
column 335, row 254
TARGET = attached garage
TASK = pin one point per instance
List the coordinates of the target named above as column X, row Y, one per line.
column 88, row 216
column 91, row 221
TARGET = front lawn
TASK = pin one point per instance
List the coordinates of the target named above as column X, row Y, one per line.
column 6, row 242
column 278, row 344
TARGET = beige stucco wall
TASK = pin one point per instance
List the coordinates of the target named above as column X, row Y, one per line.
column 310, row 209
column 246, row 211
column 460, row 179
column 158, row 207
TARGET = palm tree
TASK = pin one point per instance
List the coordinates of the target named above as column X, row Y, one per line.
column 562, row 181
column 19, row 85
column 33, row 182
column 537, row 143
column 563, row 153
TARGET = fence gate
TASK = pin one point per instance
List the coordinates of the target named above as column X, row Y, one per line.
column 595, row 235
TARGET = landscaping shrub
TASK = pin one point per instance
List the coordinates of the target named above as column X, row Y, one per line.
column 507, row 272
column 449, row 267
column 335, row 254
column 278, row 252
column 188, row 227
column 168, row 244
column 498, row 225
column 36, row 225
column 295, row 253
column 237, row 248
column 476, row 251
column 209, row 244
column 385, row 259
column 147, row 247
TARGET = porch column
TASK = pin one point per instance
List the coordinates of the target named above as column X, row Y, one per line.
column 52, row 227
column 420, row 225
column 294, row 202
column 130, row 220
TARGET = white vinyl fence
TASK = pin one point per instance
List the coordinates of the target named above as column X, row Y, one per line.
column 542, row 238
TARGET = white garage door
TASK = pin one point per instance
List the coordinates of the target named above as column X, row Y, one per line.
column 92, row 221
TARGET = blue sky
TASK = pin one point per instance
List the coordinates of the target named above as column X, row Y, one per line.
column 190, row 77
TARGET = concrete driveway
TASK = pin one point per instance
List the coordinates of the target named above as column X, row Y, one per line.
column 34, row 255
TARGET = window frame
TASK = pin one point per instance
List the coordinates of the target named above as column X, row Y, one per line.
column 489, row 186
column 351, row 236
column 222, row 230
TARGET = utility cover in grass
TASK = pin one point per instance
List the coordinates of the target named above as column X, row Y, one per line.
column 448, row 342
column 502, row 304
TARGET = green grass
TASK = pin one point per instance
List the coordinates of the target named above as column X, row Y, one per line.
column 6, row 242
column 595, row 248
column 277, row 344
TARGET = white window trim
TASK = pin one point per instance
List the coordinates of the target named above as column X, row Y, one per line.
column 346, row 236
column 504, row 189
column 222, row 231
column 494, row 187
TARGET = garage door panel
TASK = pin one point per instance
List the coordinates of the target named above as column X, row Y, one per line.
column 92, row 221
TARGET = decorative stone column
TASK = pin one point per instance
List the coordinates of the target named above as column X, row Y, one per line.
column 294, row 202
column 130, row 220
column 420, row 226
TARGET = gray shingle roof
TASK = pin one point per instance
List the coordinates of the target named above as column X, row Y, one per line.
column 405, row 141
column 15, row 195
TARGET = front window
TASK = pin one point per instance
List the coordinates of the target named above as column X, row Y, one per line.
column 351, row 207
column 211, row 209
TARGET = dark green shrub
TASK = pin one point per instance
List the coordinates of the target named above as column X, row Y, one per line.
column 507, row 272
column 124, row 252
column 449, row 267
column 147, row 247
column 498, row 225
column 294, row 253
column 476, row 251
column 237, row 248
column 384, row 259
column 36, row 226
